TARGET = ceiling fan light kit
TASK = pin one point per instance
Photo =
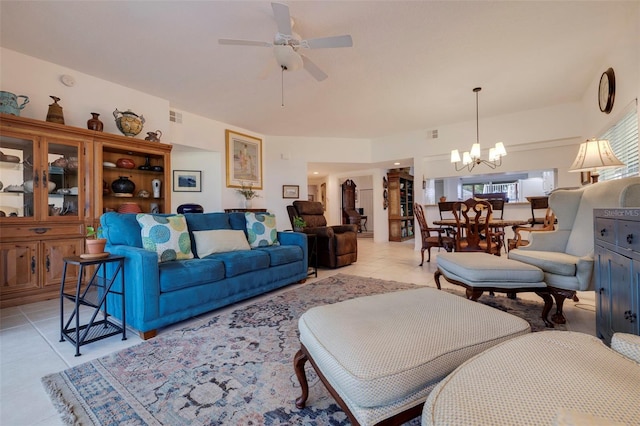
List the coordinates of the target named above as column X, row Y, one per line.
column 286, row 44
column 470, row 159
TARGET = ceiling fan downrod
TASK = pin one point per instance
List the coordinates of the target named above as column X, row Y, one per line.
column 282, row 68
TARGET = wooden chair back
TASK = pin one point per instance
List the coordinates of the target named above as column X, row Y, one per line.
column 446, row 207
column 473, row 232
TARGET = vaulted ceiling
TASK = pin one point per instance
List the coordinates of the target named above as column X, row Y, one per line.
column 412, row 66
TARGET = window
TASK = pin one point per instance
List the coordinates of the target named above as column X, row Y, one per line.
column 623, row 137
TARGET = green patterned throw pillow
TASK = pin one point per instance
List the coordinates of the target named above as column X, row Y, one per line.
column 261, row 229
column 166, row 235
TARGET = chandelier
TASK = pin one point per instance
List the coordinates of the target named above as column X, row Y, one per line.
column 470, row 159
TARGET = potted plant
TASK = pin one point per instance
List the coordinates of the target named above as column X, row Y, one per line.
column 94, row 240
column 298, row 224
column 248, row 193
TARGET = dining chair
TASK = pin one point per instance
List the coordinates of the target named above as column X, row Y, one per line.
column 431, row 237
column 538, row 203
column 473, row 227
column 547, row 225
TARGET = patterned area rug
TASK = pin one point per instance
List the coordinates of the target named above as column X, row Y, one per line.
column 235, row 369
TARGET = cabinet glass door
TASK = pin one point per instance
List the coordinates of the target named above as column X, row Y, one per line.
column 17, row 158
column 63, row 185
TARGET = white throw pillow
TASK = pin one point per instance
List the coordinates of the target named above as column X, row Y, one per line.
column 261, row 229
column 219, row 240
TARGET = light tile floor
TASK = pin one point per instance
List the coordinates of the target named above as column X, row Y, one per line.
column 30, row 334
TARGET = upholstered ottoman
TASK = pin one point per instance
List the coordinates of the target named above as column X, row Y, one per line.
column 480, row 272
column 545, row 378
column 380, row 356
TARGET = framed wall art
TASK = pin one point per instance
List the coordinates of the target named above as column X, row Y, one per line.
column 290, row 191
column 244, row 160
column 187, row 181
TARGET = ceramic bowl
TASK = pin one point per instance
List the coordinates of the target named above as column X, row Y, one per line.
column 108, row 164
column 28, row 186
column 129, row 208
column 125, row 163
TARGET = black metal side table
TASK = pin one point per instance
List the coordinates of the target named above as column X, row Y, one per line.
column 94, row 296
column 312, row 245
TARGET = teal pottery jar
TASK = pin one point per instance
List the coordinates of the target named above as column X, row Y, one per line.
column 9, row 103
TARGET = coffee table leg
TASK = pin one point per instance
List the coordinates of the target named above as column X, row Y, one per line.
column 298, row 365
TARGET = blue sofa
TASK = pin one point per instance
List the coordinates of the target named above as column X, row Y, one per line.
column 160, row 294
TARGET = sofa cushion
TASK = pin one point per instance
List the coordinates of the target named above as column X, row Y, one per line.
column 261, row 229
column 549, row 261
column 281, row 255
column 121, row 229
column 188, row 273
column 168, row 236
column 205, row 221
column 241, row 262
column 219, row 241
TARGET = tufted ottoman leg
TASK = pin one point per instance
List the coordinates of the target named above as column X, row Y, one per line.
column 298, row 365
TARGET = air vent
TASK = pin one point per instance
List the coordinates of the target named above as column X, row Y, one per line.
column 176, row 117
column 433, row 134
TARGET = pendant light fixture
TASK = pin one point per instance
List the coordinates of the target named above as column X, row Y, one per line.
column 470, row 159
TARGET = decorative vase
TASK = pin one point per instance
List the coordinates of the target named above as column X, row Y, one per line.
column 153, row 136
column 129, row 123
column 155, row 184
column 9, row 103
column 94, row 123
column 146, row 165
column 190, row 208
column 123, row 185
column 248, row 203
column 154, row 208
column 54, row 115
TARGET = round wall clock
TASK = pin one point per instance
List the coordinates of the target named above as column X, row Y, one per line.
column 607, row 91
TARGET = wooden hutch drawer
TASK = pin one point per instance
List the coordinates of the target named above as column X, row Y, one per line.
column 42, row 231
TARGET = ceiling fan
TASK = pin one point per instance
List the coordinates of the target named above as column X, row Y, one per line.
column 286, row 44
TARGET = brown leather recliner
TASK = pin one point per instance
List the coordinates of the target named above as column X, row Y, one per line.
column 337, row 245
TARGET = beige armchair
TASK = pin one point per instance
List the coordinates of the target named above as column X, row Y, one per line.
column 565, row 255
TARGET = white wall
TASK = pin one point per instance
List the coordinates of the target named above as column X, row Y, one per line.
column 537, row 139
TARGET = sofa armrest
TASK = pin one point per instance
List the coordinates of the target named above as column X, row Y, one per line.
column 627, row 345
column 142, row 284
column 341, row 229
column 321, row 231
column 295, row 239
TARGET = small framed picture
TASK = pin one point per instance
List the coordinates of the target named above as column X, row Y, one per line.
column 290, row 191
column 187, row 181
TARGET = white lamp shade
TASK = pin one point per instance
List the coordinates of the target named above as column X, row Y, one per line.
column 593, row 155
column 492, row 154
column 500, row 150
column 466, row 158
column 455, row 156
column 475, row 150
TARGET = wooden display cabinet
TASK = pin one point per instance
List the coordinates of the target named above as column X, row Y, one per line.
column 400, row 195
column 44, row 170
column 52, row 189
column 110, row 150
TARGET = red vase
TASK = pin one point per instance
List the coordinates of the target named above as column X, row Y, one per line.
column 94, row 123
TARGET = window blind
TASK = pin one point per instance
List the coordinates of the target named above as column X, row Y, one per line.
column 623, row 137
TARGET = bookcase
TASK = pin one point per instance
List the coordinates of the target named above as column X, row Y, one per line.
column 400, row 194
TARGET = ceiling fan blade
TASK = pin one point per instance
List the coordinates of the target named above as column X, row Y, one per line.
column 283, row 18
column 324, row 42
column 244, row 42
column 313, row 69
